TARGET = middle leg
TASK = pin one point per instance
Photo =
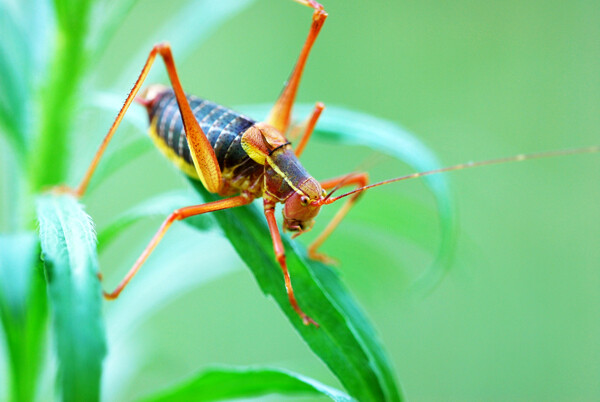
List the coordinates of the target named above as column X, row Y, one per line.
column 280, row 255
column 308, row 127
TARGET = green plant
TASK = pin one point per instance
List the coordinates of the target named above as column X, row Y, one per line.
column 45, row 80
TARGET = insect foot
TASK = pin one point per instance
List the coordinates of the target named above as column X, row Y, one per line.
column 306, row 320
column 324, row 258
column 62, row 190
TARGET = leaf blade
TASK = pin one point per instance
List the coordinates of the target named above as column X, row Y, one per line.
column 23, row 311
column 371, row 376
column 354, row 359
column 68, row 247
column 218, row 383
column 15, row 74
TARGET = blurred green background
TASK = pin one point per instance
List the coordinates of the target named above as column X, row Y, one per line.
column 517, row 316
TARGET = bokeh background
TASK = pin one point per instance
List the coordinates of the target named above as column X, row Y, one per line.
column 517, row 315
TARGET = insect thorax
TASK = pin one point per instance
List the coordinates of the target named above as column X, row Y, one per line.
column 284, row 175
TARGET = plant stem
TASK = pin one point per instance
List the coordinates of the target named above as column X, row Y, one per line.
column 50, row 159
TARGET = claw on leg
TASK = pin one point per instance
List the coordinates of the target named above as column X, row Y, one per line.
column 62, row 189
column 322, row 257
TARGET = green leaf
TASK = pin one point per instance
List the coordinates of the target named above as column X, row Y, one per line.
column 15, row 66
column 22, row 311
column 215, row 384
column 161, row 205
column 345, row 340
column 69, row 252
column 344, row 126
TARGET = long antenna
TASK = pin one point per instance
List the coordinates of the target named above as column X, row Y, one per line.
column 468, row 165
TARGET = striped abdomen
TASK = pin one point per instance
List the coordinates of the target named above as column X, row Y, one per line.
column 223, row 127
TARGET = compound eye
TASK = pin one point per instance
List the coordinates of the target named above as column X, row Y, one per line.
column 304, row 200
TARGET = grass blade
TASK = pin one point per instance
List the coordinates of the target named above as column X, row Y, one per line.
column 216, row 384
column 22, row 311
column 345, row 341
column 345, row 126
column 69, row 252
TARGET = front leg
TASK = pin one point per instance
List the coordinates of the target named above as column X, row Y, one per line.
column 280, row 256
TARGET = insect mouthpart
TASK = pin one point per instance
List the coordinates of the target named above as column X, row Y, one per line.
column 299, row 227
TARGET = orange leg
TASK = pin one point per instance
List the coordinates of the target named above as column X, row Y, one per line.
column 357, row 179
column 281, row 113
column 280, row 255
column 203, row 155
column 177, row 215
column 309, row 127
